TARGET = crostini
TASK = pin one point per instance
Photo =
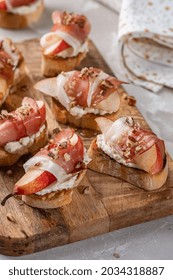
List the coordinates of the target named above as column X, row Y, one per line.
column 22, row 131
column 17, row 14
column 12, row 67
column 53, row 173
column 66, row 45
column 128, row 152
column 81, row 96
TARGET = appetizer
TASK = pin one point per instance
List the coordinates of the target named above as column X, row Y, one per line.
column 53, row 173
column 128, row 152
column 16, row 14
column 66, row 45
column 12, row 67
column 81, row 96
column 22, row 131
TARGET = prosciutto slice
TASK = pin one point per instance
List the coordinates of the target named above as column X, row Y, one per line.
column 66, row 150
column 10, row 4
column 25, row 121
column 134, row 144
column 90, row 86
column 75, row 25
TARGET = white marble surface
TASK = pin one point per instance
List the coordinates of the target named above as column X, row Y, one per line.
column 152, row 240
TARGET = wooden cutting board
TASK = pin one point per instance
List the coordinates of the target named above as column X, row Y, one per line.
column 100, row 203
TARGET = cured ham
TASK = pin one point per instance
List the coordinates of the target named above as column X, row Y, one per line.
column 68, row 35
column 67, row 150
column 90, row 86
column 25, row 121
column 75, row 25
column 89, row 90
column 133, row 144
column 65, row 154
column 9, row 4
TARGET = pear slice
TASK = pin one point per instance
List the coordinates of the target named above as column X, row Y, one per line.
column 47, row 86
column 33, row 181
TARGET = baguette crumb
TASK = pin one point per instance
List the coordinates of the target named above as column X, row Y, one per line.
column 116, row 255
column 9, row 172
column 86, row 190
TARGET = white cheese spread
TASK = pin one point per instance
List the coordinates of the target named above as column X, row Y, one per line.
column 64, row 180
column 80, row 111
column 24, row 10
column 110, row 151
column 19, row 147
column 68, row 184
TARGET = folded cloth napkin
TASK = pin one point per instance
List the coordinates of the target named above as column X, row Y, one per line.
column 145, row 42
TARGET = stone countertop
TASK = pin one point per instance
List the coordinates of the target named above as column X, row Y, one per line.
column 151, row 240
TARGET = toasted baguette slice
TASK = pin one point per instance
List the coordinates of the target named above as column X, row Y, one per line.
column 20, row 72
column 8, row 159
column 16, row 21
column 86, row 121
column 54, row 199
column 51, row 67
column 104, row 164
column 4, row 90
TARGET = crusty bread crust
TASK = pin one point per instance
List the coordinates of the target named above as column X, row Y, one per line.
column 54, row 199
column 86, row 121
column 4, row 90
column 20, row 72
column 58, row 200
column 5, row 87
column 51, row 67
column 15, row 21
column 104, row 164
column 7, row 159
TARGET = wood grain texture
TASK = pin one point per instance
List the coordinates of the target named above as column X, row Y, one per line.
column 100, row 203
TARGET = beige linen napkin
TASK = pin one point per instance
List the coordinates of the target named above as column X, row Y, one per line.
column 145, row 42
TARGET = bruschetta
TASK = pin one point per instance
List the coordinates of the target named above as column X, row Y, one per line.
column 81, row 96
column 53, row 173
column 66, row 45
column 126, row 151
column 22, row 131
column 17, row 14
column 12, row 67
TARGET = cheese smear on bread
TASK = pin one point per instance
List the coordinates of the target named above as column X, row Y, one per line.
column 23, row 10
column 107, row 149
column 18, row 147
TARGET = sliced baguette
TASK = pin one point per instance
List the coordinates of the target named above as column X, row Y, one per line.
column 54, row 199
column 4, row 90
column 86, row 121
column 17, row 21
column 51, row 67
column 104, row 164
column 5, row 87
column 19, row 72
column 8, row 159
